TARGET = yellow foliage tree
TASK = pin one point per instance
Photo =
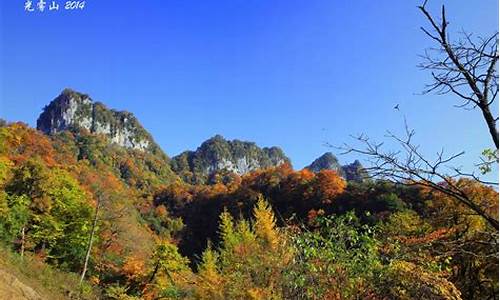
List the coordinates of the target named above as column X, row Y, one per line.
column 265, row 224
column 250, row 261
column 209, row 279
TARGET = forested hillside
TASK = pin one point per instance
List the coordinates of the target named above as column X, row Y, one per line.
column 272, row 233
column 92, row 208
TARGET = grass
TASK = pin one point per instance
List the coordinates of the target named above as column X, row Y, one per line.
column 46, row 280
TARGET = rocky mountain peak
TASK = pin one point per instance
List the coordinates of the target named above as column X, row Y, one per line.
column 351, row 172
column 327, row 161
column 218, row 154
column 72, row 110
column 355, row 172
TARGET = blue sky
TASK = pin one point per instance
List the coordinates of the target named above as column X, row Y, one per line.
column 289, row 73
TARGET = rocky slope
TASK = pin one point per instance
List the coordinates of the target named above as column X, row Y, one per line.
column 218, row 154
column 72, row 110
column 351, row 172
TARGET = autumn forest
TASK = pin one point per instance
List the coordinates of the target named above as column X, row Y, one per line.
column 92, row 208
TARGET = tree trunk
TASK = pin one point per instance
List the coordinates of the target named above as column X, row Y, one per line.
column 23, row 235
column 91, row 239
column 490, row 121
column 153, row 275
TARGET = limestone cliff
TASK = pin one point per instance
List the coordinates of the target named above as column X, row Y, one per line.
column 218, row 154
column 72, row 110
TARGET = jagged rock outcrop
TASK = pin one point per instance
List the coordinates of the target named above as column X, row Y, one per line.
column 327, row 161
column 351, row 172
column 220, row 155
column 72, row 110
column 355, row 172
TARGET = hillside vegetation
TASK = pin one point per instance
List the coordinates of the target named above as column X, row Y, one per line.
column 273, row 233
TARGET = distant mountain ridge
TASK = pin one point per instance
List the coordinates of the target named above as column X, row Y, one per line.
column 72, row 110
column 218, row 154
column 351, row 172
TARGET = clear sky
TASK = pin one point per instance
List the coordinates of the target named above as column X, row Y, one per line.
column 294, row 74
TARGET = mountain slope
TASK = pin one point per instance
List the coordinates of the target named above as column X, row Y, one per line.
column 108, row 137
column 28, row 278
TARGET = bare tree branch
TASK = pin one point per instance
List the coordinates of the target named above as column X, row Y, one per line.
column 409, row 166
column 467, row 68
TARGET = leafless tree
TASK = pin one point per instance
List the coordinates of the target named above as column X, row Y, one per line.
column 466, row 68
column 409, row 166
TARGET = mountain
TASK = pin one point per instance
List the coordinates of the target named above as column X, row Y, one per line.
column 218, row 154
column 327, row 161
column 351, row 172
column 72, row 110
column 106, row 139
column 355, row 172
